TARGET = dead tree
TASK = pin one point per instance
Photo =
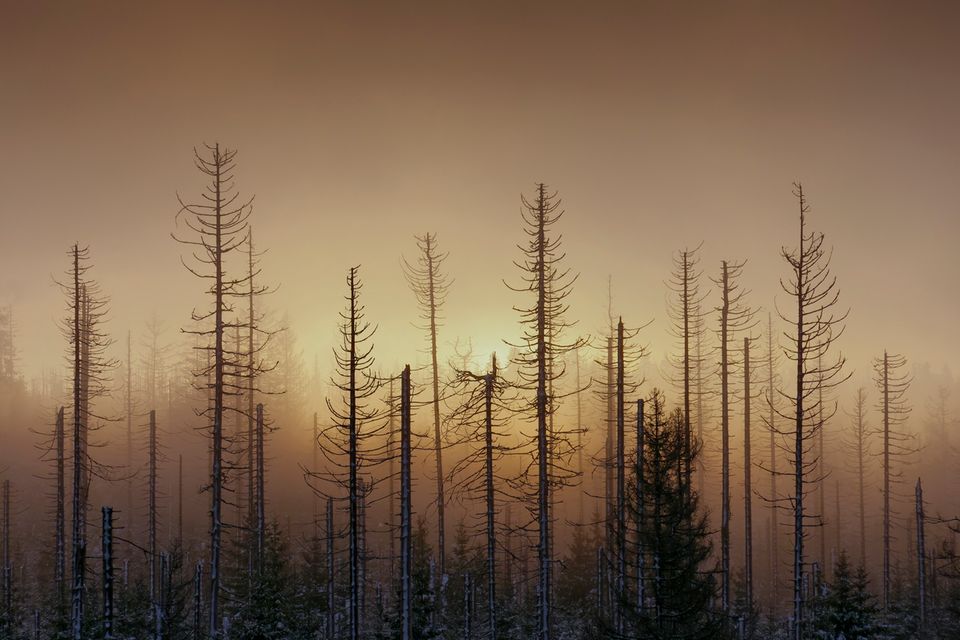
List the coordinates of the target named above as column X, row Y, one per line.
column 180, row 498
column 252, row 367
column 430, row 286
column 580, row 432
column 86, row 309
column 107, row 557
column 621, row 531
column 640, row 510
column 772, row 365
column 198, row 602
column 348, row 444
column 814, row 329
column 475, row 474
column 54, row 451
column 747, row 484
column 218, row 224
column 331, row 575
column 626, row 384
column 392, row 455
column 316, row 499
column 857, row 448
column 606, row 391
column 702, row 373
column 893, row 383
column 242, row 448
column 128, row 403
column 735, row 317
column 921, row 557
column 7, row 566
column 60, row 564
column 609, row 394
column 406, row 512
column 821, row 452
column 488, row 394
column 686, row 325
column 261, row 521
column 542, row 345
column 152, row 477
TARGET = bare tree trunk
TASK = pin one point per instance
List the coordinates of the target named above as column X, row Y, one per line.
column 725, row 445
column 78, row 546
column 198, row 602
column 216, row 480
column 107, row 555
column 699, row 391
column 331, row 576
column 798, row 514
column 435, row 373
column 152, row 514
column 180, row 498
column 544, row 585
column 406, row 557
column 316, row 499
column 771, row 425
column 252, row 453
column 490, row 380
column 921, row 557
column 467, row 606
column 621, row 546
column 60, row 563
column 861, row 405
column 543, row 321
column 747, row 486
column 430, row 287
column 7, row 567
column 601, row 583
column 838, row 534
column 163, row 599
column 363, row 553
column 391, row 480
column 353, row 461
column 640, row 511
column 814, row 329
column 886, row 482
column 261, row 479
column 609, row 487
column 657, row 515
column 686, row 366
column 580, row 467
column 821, row 484
column 242, row 528
column 129, row 407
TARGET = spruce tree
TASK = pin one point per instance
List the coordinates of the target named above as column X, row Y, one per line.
column 847, row 610
column 674, row 535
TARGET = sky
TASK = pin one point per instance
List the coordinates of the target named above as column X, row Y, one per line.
column 662, row 125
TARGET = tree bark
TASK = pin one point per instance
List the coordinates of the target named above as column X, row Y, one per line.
column 725, row 445
column 107, row 556
column 406, row 556
column 621, row 546
column 152, row 516
column 489, row 382
column 640, row 511
column 747, row 486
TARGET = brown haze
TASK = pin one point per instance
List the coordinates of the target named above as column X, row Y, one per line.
column 358, row 125
column 661, row 127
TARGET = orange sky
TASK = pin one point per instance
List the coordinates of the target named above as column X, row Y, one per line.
column 662, row 125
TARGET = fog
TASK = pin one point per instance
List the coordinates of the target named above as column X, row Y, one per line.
column 662, row 127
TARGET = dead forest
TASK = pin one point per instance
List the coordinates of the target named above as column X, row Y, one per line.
column 736, row 478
